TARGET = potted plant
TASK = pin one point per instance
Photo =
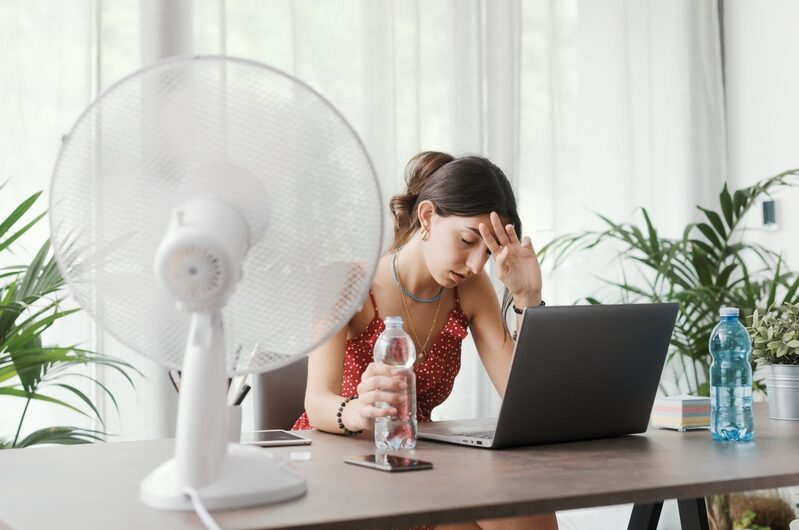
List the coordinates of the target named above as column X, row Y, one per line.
column 32, row 298
column 710, row 266
column 775, row 339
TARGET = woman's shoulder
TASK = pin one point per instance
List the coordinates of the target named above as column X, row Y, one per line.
column 474, row 293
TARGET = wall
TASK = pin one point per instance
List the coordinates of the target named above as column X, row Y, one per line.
column 761, row 47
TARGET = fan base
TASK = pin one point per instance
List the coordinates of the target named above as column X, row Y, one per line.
column 249, row 476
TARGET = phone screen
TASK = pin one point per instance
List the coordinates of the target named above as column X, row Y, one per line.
column 273, row 437
column 386, row 462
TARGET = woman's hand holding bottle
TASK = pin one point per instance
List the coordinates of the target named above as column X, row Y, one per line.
column 380, row 383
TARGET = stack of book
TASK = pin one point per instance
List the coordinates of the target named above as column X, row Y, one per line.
column 681, row 413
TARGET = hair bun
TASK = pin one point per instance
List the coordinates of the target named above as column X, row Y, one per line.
column 420, row 168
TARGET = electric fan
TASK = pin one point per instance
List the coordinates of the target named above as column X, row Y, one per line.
column 220, row 217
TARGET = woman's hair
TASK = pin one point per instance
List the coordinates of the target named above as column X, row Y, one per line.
column 467, row 187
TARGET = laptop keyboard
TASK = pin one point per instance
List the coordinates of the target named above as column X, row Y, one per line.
column 487, row 435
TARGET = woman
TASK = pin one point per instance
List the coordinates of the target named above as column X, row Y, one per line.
column 455, row 214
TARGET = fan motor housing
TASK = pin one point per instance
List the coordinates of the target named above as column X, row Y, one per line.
column 200, row 258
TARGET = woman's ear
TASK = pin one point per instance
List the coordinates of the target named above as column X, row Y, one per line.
column 425, row 211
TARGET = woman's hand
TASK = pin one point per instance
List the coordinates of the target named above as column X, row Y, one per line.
column 517, row 263
column 379, row 382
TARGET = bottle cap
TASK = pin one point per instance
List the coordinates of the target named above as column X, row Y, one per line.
column 393, row 321
column 728, row 312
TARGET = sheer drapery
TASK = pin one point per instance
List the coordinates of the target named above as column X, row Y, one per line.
column 586, row 105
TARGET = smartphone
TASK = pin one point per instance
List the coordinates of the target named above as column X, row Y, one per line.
column 272, row 437
column 385, row 462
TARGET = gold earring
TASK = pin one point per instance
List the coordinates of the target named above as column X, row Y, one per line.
column 425, row 234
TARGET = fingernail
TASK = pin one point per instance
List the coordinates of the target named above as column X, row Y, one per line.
column 403, row 385
column 393, row 412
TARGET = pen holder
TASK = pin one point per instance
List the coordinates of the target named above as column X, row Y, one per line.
column 234, row 424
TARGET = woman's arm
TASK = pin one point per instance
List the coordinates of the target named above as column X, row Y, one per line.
column 494, row 344
column 323, row 392
column 518, row 269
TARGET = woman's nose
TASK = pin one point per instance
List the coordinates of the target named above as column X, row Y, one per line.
column 477, row 261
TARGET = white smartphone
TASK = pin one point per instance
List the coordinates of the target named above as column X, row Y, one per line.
column 272, row 438
column 385, row 462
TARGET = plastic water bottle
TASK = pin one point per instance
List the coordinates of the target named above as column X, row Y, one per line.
column 395, row 348
column 730, row 379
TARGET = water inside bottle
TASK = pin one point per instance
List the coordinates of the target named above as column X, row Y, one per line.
column 731, row 413
column 399, row 431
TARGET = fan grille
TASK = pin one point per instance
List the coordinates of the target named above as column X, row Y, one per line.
column 235, row 131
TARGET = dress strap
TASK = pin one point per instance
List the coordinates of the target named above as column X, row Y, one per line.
column 374, row 304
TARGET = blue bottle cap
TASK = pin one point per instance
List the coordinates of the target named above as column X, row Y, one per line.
column 729, row 312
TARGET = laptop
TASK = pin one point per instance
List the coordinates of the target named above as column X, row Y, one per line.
column 578, row 373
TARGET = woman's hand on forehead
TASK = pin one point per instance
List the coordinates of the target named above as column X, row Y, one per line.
column 517, row 263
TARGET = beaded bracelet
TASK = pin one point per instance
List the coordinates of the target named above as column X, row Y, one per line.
column 340, row 423
column 521, row 312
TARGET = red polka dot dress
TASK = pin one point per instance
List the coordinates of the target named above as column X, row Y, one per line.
column 435, row 374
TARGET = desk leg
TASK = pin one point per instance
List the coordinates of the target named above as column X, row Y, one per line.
column 645, row 516
column 693, row 514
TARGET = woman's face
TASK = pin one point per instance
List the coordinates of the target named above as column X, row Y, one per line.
column 454, row 250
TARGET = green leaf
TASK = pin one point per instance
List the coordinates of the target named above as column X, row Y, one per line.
column 83, row 397
column 793, row 344
column 772, row 293
column 8, row 391
column 715, row 220
column 654, row 242
column 727, row 207
column 62, row 436
column 724, row 275
column 711, row 236
column 702, row 266
column 739, row 202
column 18, row 212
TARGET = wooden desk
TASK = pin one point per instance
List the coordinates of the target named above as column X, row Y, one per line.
column 96, row 486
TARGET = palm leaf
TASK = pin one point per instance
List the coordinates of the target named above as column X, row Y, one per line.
column 8, row 391
column 62, row 436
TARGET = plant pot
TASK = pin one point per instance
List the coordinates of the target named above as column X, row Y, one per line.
column 782, row 382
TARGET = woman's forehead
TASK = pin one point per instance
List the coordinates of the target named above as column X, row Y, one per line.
column 473, row 221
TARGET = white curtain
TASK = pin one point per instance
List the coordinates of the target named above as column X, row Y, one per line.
column 587, row 105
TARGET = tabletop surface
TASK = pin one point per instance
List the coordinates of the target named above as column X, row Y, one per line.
column 96, row 486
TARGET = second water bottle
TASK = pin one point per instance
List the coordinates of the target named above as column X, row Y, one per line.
column 730, row 379
column 395, row 348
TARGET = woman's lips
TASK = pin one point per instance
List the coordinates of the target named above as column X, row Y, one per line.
column 457, row 278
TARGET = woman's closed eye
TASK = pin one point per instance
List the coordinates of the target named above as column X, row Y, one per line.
column 469, row 243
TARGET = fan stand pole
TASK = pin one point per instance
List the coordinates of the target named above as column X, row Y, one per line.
column 226, row 476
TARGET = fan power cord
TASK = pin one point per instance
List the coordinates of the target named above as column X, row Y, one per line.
column 202, row 513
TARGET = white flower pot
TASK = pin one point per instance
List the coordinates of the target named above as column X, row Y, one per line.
column 782, row 383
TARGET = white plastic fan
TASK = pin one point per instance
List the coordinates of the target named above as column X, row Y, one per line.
column 223, row 218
